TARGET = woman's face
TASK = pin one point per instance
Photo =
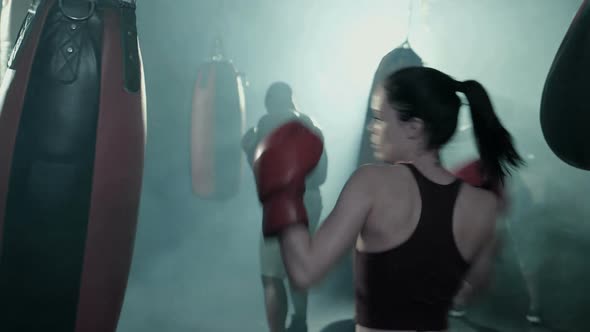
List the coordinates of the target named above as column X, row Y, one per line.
column 389, row 135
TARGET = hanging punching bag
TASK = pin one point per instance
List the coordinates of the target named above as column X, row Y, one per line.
column 217, row 126
column 72, row 135
column 565, row 108
column 12, row 15
column 399, row 58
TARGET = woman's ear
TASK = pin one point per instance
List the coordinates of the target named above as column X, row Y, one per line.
column 414, row 128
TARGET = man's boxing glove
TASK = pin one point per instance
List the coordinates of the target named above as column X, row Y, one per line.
column 281, row 162
column 472, row 174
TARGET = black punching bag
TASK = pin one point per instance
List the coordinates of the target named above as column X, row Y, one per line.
column 399, row 58
column 565, row 105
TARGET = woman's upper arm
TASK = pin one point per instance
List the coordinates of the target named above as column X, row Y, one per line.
column 488, row 241
column 338, row 233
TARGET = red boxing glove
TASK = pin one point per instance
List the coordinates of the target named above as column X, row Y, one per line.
column 281, row 162
column 472, row 174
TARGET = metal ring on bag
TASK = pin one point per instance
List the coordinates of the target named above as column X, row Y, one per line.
column 73, row 18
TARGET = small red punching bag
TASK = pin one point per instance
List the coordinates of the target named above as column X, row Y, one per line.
column 565, row 107
column 399, row 58
column 217, row 126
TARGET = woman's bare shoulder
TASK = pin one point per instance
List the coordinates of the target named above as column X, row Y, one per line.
column 377, row 176
column 481, row 204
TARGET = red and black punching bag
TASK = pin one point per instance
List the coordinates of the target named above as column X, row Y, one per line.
column 72, row 141
column 565, row 105
column 400, row 57
column 217, row 126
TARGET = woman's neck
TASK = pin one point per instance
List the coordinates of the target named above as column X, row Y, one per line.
column 427, row 159
column 429, row 164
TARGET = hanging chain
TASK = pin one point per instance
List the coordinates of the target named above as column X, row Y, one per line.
column 221, row 22
column 406, row 42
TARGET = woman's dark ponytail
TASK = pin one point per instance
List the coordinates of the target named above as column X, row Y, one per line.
column 494, row 143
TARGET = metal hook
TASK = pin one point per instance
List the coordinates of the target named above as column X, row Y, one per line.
column 78, row 19
column 406, row 44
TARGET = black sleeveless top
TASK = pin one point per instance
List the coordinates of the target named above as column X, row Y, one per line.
column 412, row 286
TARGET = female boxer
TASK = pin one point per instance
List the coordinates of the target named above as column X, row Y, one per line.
column 418, row 231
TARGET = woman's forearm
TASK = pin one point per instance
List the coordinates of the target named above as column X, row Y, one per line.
column 296, row 252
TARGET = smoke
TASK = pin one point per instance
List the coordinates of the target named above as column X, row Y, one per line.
column 196, row 262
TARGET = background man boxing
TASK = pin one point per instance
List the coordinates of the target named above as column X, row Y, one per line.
column 471, row 173
column 281, row 108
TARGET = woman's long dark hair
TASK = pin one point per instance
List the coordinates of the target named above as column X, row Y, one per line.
column 431, row 95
